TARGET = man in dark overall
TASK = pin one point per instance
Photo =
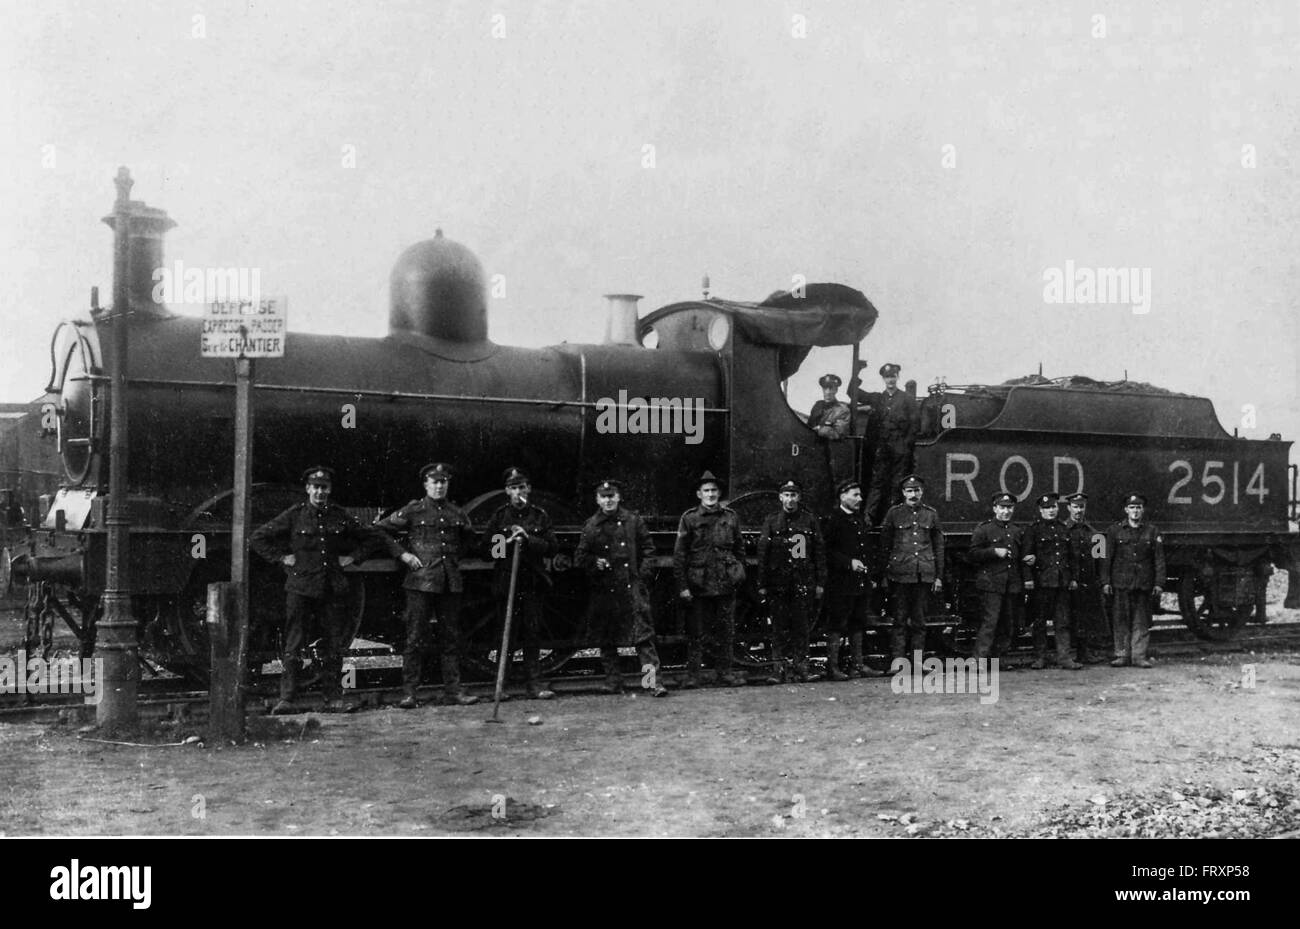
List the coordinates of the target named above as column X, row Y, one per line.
column 1134, row 571
column 439, row 533
column 315, row 541
column 897, row 420
column 995, row 548
column 913, row 539
column 848, row 582
column 830, row 416
column 1050, row 559
column 1092, row 635
column 709, row 566
column 615, row 551
column 521, row 523
column 792, row 576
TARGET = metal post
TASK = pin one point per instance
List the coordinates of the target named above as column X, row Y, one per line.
column 241, row 514
column 853, row 417
column 116, row 646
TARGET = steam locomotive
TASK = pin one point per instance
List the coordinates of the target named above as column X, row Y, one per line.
column 692, row 386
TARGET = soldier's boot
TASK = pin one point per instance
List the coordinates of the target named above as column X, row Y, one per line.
column 453, row 693
column 833, row 672
column 694, row 658
column 613, row 678
column 801, row 673
column 292, row 670
column 536, row 687
column 855, row 656
column 778, row 673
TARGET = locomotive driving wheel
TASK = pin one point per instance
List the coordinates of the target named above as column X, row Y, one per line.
column 1208, row 611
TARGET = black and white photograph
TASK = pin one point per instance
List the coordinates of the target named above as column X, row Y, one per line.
column 560, row 419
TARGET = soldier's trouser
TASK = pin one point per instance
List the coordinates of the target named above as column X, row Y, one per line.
column 1089, row 624
column 908, row 601
column 1132, row 623
column 446, row 609
column 647, row 656
column 888, row 468
column 994, row 636
column 848, row 614
column 331, row 615
column 711, row 623
column 524, row 624
column 613, row 616
column 791, row 608
column 1052, row 603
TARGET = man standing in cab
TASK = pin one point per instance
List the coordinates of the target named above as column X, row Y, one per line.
column 1090, row 628
column 792, row 578
column 829, row 417
column 616, row 552
column 315, row 541
column 1051, row 568
column 709, row 567
column 1134, row 571
column 519, row 522
column 439, row 535
column 897, row 421
column 913, row 539
column 849, row 584
column 995, row 548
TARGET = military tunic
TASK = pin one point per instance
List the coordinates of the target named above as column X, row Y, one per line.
column 997, row 579
column 912, row 539
column 316, row 536
column 848, row 592
column 618, row 607
column 1055, row 568
column 1091, row 626
column 709, row 561
column 532, row 581
column 829, row 420
column 791, row 566
column 897, row 420
column 439, row 535
column 1134, row 566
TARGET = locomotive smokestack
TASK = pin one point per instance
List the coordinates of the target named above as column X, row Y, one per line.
column 620, row 319
column 145, row 228
column 437, row 288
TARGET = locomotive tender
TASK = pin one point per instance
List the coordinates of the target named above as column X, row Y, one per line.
column 692, row 386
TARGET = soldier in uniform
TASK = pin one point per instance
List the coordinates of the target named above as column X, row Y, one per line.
column 1091, row 629
column 440, row 533
column 519, row 522
column 829, row 417
column 995, row 548
column 913, row 539
column 897, row 420
column 792, row 576
column 1134, row 571
column 1051, row 567
column 615, row 550
column 709, row 566
column 315, row 541
column 849, row 584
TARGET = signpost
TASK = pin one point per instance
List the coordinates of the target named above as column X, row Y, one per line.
column 242, row 330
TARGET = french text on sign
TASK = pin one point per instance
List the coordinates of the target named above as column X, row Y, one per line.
column 245, row 328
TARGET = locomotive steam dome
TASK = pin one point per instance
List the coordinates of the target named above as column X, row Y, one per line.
column 438, row 289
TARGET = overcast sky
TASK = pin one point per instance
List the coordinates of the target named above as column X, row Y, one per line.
column 940, row 156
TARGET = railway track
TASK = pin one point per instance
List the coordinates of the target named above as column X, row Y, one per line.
column 378, row 678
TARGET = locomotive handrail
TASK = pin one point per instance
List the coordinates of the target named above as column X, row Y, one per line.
column 386, row 394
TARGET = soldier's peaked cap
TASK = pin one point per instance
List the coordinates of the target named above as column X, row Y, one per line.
column 913, row 481
column 707, row 478
column 437, row 469
column 318, row 474
column 1135, row 498
column 845, row 486
column 890, row 370
column 1004, row 499
column 1080, row 497
column 1047, row 500
column 514, row 476
column 609, row 486
column 789, row 486
column 830, row 380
